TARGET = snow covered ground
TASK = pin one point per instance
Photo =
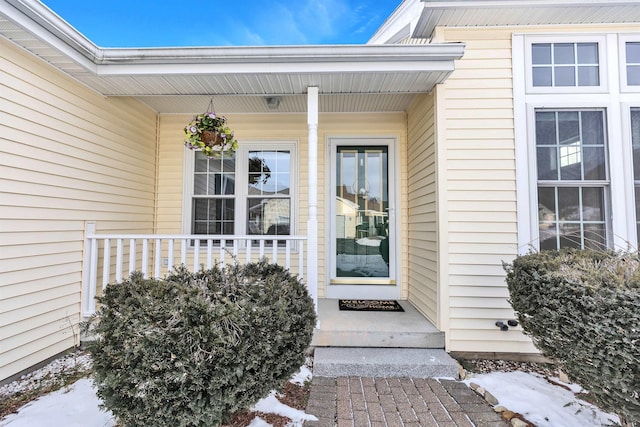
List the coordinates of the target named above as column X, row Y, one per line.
column 539, row 401
column 78, row 406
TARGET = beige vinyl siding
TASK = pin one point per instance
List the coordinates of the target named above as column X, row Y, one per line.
column 67, row 156
column 276, row 127
column 421, row 198
column 478, row 203
column 480, row 193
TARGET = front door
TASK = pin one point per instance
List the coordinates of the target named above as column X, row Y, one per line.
column 363, row 229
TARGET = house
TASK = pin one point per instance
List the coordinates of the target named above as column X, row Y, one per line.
column 464, row 133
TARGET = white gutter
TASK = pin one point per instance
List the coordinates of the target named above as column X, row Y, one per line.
column 43, row 23
column 280, row 59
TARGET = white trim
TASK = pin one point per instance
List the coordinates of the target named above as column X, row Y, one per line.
column 600, row 39
column 527, row 221
column 616, row 105
column 365, row 291
column 627, row 166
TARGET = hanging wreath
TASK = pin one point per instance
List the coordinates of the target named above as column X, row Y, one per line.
column 210, row 134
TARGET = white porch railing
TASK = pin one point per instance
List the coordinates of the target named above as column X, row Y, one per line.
column 112, row 257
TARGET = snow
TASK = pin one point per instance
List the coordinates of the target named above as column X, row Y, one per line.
column 73, row 406
column 541, row 402
column 78, row 406
column 272, row 405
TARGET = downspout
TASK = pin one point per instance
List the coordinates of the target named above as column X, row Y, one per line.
column 312, row 220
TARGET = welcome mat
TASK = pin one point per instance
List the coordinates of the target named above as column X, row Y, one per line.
column 369, row 305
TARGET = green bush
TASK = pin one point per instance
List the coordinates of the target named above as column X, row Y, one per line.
column 194, row 348
column 582, row 309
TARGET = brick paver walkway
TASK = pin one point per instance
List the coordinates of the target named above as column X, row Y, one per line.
column 378, row 402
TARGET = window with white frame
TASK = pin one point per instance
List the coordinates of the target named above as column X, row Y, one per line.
column 572, row 178
column 632, row 55
column 565, row 64
column 249, row 193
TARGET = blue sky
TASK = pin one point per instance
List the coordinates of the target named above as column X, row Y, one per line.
column 162, row 23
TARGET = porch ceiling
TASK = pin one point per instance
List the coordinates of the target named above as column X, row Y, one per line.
column 178, row 80
column 418, row 18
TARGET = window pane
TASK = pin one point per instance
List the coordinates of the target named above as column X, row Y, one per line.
column 201, row 164
column 637, row 203
column 592, row 128
column 594, row 237
column 569, row 204
column 209, row 215
column 541, row 53
column 570, row 236
column 565, row 76
column 594, row 163
column 633, row 52
column 588, row 76
column 568, row 127
column 593, row 204
column 546, row 204
column 548, row 236
column 547, row 225
column 269, row 216
column 587, row 53
column 545, row 128
column 269, row 172
column 633, row 75
column 200, row 184
column 563, row 53
column 547, row 163
column 542, row 76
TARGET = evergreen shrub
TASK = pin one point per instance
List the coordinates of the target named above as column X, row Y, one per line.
column 194, row 348
column 582, row 309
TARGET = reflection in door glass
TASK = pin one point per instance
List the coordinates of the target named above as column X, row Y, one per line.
column 362, row 212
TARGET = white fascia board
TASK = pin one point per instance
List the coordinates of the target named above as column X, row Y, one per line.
column 44, row 24
column 280, row 60
column 400, row 24
column 404, row 67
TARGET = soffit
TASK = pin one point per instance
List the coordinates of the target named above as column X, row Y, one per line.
column 355, row 78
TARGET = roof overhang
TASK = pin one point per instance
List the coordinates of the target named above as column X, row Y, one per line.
column 418, row 18
column 159, row 74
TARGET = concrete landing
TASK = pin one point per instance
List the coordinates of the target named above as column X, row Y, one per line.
column 408, row 329
column 383, row 362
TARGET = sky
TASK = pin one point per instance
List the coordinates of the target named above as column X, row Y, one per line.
column 165, row 23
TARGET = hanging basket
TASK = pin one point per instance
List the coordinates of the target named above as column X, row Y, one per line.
column 210, row 134
column 211, row 138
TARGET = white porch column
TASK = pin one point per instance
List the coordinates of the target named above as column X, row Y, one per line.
column 312, row 221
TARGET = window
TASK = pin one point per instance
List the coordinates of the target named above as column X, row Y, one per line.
column 249, row 193
column 632, row 53
column 576, row 154
column 572, row 178
column 565, row 64
column 635, row 144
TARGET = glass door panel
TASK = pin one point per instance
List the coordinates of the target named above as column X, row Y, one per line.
column 362, row 212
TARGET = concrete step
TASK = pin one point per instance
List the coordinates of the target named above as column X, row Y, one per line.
column 408, row 329
column 383, row 362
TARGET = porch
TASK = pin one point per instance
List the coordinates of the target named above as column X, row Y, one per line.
column 109, row 258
